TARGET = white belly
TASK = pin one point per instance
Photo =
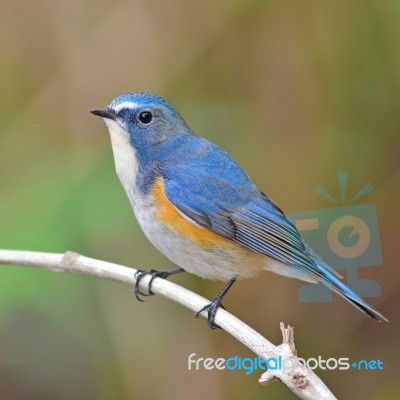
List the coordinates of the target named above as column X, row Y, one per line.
column 212, row 263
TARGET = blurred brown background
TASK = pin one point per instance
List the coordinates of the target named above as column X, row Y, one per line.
column 296, row 91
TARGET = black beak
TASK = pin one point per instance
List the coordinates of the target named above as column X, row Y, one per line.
column 105, row 113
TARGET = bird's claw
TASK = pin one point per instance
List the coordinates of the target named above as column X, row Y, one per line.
column 139, row 275
column 211, row 309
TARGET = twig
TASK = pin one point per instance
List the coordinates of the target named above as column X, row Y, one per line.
column 302, row 381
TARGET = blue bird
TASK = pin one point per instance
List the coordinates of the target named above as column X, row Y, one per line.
column 200, row 208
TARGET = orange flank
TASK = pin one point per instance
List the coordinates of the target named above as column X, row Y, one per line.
column 183, row 226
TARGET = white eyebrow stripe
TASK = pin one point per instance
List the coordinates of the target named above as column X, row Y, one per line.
column 125, row 104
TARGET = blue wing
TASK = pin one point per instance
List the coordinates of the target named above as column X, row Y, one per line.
column 219, row 195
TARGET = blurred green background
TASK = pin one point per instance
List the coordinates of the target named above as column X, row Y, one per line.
column 296, row 91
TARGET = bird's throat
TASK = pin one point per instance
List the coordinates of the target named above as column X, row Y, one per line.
column 126, row 162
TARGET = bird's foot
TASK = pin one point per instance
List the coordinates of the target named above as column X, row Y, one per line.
column 140, row 274
column 211, row 309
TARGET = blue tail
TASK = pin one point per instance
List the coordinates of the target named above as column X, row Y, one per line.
column 332, row 282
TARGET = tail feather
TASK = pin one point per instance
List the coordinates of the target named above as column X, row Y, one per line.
column 332, row 282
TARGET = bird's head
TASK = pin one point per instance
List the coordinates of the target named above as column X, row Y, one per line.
column 146, row 119
column 145, row 130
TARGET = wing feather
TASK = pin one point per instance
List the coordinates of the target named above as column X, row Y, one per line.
column 256, row 224
column 279, row 240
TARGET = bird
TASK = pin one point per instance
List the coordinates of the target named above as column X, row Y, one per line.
column 200, row 208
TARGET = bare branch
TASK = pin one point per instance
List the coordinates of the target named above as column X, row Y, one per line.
column 302, row 381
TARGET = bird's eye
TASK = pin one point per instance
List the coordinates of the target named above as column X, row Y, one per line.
column 145, row 117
